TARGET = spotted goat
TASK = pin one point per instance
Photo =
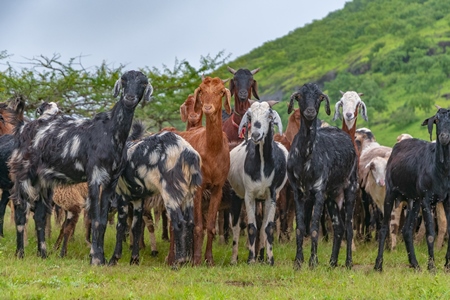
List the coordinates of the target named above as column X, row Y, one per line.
column 167, row 165
column 321, row 168
column 63, row 150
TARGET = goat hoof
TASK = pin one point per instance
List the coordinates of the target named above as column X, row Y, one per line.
column 314, row 262
column 20, row 254
column 297, row 264
column 349, row 265
column 378, row 265
column 134, row 260
column 154, row 253
column 113, row 262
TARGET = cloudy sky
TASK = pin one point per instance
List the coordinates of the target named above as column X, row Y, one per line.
column 150, row 33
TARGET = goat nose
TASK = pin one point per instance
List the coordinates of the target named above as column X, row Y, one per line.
column 256, row 136
column 349, row 115
column 243, row 95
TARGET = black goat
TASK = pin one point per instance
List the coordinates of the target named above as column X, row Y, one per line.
column 321, row 168
column 7, row 145
column 162, row 164
column 61, row 150
column 419, row 172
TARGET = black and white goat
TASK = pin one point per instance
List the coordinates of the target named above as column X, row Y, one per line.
column 164, row 164
column 258, row 172
column 321, row 168
column 62, row 150
column 419, row 172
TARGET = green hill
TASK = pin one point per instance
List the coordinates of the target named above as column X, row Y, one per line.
column 393, row 51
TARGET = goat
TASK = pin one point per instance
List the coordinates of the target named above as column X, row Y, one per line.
column 164, row 164
column 212, row 145
column 242, row 86
column 191, row 112
column 49, row 153
column 351, row 103
column 258, row 172
column 11, row 116
column 418, row 172
column 285, row 203
column 321, row 168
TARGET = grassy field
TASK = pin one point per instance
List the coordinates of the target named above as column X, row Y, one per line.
column 73, row 277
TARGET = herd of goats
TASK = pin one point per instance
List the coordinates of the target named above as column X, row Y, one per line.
column 312, row 172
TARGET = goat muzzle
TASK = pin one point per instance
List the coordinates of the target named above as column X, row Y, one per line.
column 444, row 138
column 310, row 113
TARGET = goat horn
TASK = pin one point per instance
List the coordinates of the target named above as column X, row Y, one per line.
column 360, row 94
column 232, row 71
column 272, row 102
column 225, row 80
column 255, row 71
column 342, row 92
column 437, row 106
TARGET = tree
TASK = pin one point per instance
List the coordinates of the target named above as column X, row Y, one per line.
column 83, row 92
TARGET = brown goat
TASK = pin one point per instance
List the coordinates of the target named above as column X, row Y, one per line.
column 212, row 145
column 191, row 112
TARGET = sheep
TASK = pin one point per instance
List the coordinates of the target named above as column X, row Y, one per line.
column 164, row 164
column 49, row 153
column 212, row 145
column 258, row 172
column 417, row 172
column 321, row 168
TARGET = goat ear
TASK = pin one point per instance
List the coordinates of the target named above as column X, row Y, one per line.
column 232, row 86
column 327, row 103
column 148, row 92
column 243, row 123
column 117, row 87
column 364, row 111
column 277, row 121
column 291, row 103
column 196, row 93
column 430, row 122
column 255, row 89
column 227, row 101
column 183, row 113
column 337, row 114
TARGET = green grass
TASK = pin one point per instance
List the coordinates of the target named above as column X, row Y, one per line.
column 73, row 277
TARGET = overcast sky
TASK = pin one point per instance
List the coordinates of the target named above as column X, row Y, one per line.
column 150, row 33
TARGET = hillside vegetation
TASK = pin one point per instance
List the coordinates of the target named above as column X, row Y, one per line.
column 393, row 51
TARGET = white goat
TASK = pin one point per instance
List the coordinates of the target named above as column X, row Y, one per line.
column 258, row 172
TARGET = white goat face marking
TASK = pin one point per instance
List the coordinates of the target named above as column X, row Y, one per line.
column 260, row 112
column 350, row 101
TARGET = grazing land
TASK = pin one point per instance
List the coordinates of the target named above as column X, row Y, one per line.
column 73, row 277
